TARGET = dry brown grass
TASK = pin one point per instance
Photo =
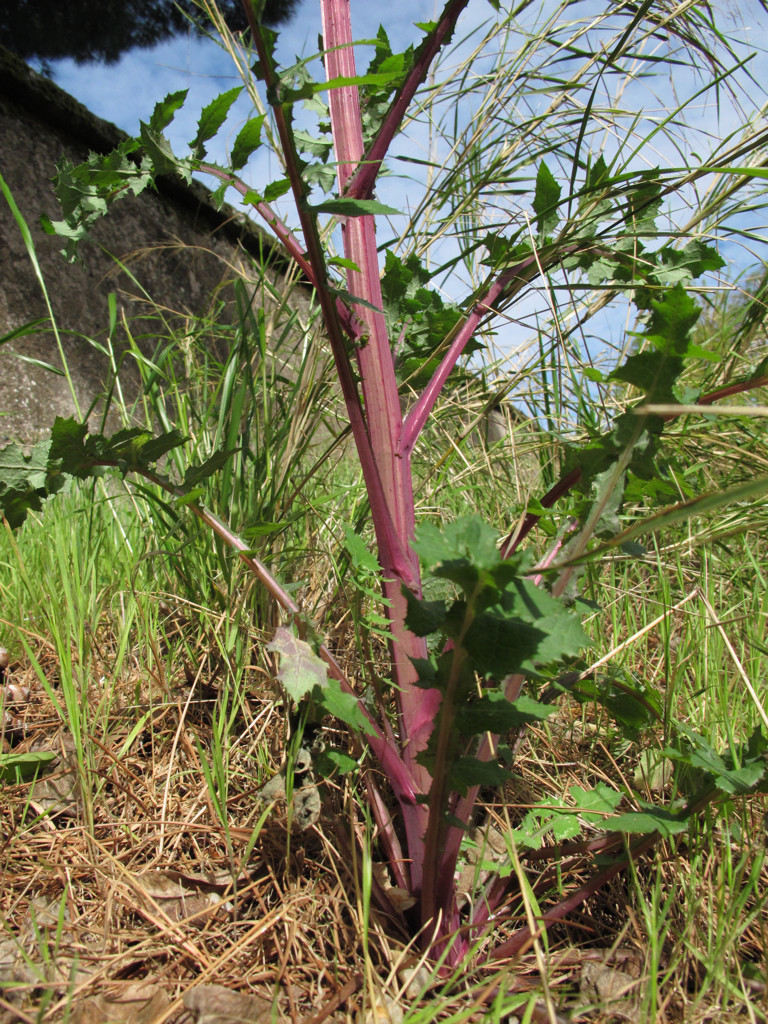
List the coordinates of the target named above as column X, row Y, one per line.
column 134, row 920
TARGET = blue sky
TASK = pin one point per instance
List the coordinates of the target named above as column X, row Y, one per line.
column 126, row 92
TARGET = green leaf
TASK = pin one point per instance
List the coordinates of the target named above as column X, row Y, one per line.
column 194, row 475
column 634, row 705
column 275, row 189
column 563, row 635
column 595, row 805
column 407, row 299
column 20, row 470
column 248, row 139
column 353, row 207
column 328, row 762
column 693, row 260
column 211, row 119
column 424, row 617
column 345, row 707
column 672, row 320
column 343, row 262
column 160, row 152
column 165, row 110
column 495, row 714
column 468, row 539
column 466, row 772
column 301, row 670
column 18, row 768
column 362, row 557
column 683, row 510
column 653, row 372
column 313, row 145
column 592, row 806
column 651, row 819
column 545, row 201
column 500, row 645
column 721, row 771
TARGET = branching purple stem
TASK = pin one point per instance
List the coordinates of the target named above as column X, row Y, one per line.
column 419, row 414
column 361, row 184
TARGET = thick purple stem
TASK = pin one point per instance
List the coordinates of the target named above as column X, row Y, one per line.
column 391, row 549
column 361, row 183
column 417, row 707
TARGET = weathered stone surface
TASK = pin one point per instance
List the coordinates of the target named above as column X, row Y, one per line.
column 151, row 234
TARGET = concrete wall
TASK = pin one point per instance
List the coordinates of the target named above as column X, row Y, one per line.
column 39, row 124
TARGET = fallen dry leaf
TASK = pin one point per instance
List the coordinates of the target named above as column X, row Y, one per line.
column 179, row 902
column 139, row 1002
column 216, row 1004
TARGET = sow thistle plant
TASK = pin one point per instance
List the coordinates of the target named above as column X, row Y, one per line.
column 470, row 671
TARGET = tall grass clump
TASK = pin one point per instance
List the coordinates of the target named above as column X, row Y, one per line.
column 551, row 211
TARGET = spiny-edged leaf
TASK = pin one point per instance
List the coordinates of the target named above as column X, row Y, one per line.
column 650, row 819
column 353, row 207
column 545, row 201
column 248, row 139
column 275, row 189
column 344, row 263
column 633, row 704
column 562, row 822
column 24, row 481
column 409, row 301
column 67, row 450
column 212, row 118
column 748, row 491
column 495, row 714
column 345, row 707
column 87, row 190
column 653, row 372
column 424, row 617
column 591, row 806
column 466, row 772
column 672, row 319
column 427, row 672
column 269, row 41
column 721, row 771
column 597, row 176
column 693, row 260
column 321, row 174
column 20, row 470
column 194, row 475
column 386, row 76
column 353, row 300
column 307, row 142
column 468, row 538
column 165, row 110
column 595, row 805
column 644, row 203
column 329, row 762
column 160, row 152
column 500, row 646
column 524, row 600
column 362, row 556
column 149, row 449
column 503, row 251
column 75, row 453
column 385, row 73
column 301, row 670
